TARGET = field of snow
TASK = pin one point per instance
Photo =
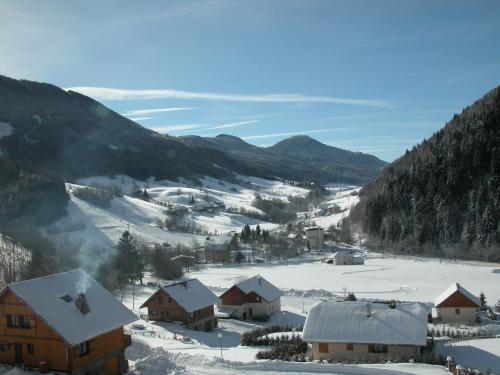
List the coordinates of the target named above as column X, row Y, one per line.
column 479, row 354
column 419, row 279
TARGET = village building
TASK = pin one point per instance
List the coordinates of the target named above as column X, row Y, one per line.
column 250, row 298
column 218, row 249
column 346, row 257
column 63, row 323
column 362, row 331
column 456, row 305
column 315, row 237
column 188, row 301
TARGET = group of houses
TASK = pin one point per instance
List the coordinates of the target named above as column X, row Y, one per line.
column 69, row 323
column 371, row 331
column 192, row 303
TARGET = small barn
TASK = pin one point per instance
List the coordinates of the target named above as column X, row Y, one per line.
column 188, row 301
column 63, row 323
column 217, row 249
column 345, row 331
column 456, row 305
column 344, row 257
column 250, row 298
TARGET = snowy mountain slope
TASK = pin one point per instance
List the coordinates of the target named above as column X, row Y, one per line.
column 93, row 228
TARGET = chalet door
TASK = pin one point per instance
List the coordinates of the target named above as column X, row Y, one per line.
column 250, row 312
column 18, row 351
column 244, row 316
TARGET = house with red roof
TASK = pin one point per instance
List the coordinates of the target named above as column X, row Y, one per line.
column 456, row 305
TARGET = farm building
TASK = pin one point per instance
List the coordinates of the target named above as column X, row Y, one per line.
column 456, row 305
column 63, row 323
column 315, row 237
column 251, row 297
column 344, row 257
column 366, row 331
column 189, row 302
column 217, row 249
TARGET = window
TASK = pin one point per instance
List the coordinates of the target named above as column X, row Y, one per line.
column 377, row 348
column 349, row 347
column 323, row 347
column 160, row 300
column 169, row 300
column 457, row 311
column 18, row 321
column 84, row 348
column 31, row 348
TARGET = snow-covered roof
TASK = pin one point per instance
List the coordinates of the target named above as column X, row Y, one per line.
column 261, row 287
column 347, row 322
column 455, row 287
column 191, row 294
column 53, row 299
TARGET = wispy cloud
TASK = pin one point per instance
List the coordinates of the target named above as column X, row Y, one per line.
column 138, row 112
column 303, row 132
column 140, row 118
column 174, row 128
column 233, row 125
column 104, row 93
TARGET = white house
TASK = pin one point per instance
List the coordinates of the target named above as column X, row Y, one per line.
column 456, row 305
column 315, row 237
column 366, row 331
column 345, row 257
column 251, row 297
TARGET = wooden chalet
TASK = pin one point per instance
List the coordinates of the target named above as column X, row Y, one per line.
column 189, row 302
column 64, row 323
column 251, row 297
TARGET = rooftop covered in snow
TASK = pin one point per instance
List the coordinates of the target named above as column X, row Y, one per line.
column 453, row 288
column 190, row 294
column 77, row 319
column 355, row 322
column 261, row 287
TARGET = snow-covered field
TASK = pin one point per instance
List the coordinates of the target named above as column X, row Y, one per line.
column 155, row 349
column 419, row 279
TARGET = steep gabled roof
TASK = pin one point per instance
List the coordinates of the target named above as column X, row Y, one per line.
column 190, row 294
column 261, row 287
column 456, row 287
column 347, row 322
column 54, row 299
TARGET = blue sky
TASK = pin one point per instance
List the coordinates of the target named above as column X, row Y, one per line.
column 370, row 76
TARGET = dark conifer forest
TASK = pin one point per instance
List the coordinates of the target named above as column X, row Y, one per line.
column 442, row 197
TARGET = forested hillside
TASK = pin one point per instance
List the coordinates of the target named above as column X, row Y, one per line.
column 442, row 197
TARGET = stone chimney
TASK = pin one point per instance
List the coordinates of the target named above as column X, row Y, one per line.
column 82, row 304
column 368, row 310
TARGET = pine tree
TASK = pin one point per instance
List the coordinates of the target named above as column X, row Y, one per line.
column 129, row 260
column 482, row 299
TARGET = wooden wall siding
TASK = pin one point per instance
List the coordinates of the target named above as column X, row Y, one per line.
column 162, row 307
column 202, row 314
column 457, row 299
column 253, row 298
column 48, row 345
column 233, row 296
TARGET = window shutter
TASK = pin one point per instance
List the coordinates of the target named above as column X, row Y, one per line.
column 3, row 320
column 370, row 348
column 32, row 322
